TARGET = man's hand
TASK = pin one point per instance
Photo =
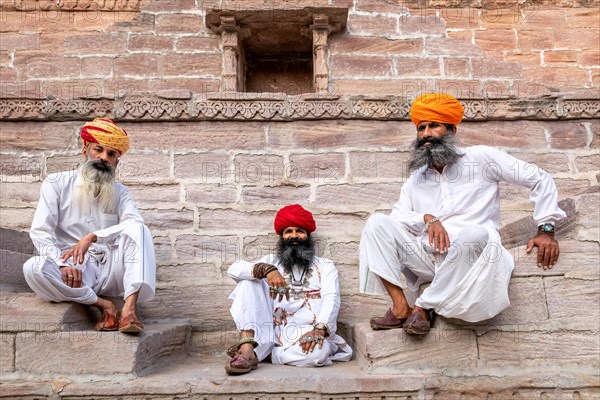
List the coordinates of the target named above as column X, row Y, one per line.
column 309, row 340
column 78, row 251
column 547, row 249
column 276, row 281
column 438, row 237
column 71, row 276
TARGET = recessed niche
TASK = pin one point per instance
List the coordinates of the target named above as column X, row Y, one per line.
column 276, row 51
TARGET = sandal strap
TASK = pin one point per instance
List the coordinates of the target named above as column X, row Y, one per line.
column 232, row 351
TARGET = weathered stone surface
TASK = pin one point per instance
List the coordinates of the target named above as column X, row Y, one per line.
column 26, row 390
column 588, row 163
column 7, row 352
column 392, row 165
column 252, row 169
column 506, row 134
column 246, row 220
column 538, row 348
column 150, row 194
column 275, row 195
column 16, row 218
column 552, row 163
column 258, row 246
column 569, row 298
column 317, row 168
column 207, row 249
column 203, row 194
column 367, row 196
column 187, row 275
column 11, row 273
column 394, row 351
column 168, row 218
column 27, row 312
column 94, row 352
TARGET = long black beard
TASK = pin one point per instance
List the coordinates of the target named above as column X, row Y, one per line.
column 295, row 252
column 442, row 151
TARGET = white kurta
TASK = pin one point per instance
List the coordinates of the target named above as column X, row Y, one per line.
column 464, row 195
column 121, row 262
column 278, row 325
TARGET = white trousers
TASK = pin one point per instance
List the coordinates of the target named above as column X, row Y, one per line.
column 469, row 282
column 121, row 268
column 252, row 309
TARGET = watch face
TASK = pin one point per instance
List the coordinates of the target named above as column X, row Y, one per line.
column 549, row 228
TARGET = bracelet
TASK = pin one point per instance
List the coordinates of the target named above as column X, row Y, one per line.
column 323, row 327
column 268, row 270
column 431, row 221
column 259, row 270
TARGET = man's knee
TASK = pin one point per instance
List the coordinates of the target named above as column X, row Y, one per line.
column 378, row 224
column 474, row 234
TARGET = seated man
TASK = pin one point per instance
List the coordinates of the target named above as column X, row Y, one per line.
column 90, row 236
column 286, row 305
column 444, row 228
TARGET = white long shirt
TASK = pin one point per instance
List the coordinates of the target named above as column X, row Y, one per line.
column 59, row 222
column 466, row 193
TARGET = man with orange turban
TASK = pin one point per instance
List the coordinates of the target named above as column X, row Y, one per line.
column 286, row 304
column 90, row 236
column 444, row 228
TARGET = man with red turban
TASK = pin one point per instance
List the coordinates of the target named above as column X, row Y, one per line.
column 444, row 228
column 286, row 304
column 90, row 236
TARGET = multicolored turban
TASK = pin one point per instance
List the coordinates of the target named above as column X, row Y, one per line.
column 106, row 133
column 294, row 215
column 436, row 107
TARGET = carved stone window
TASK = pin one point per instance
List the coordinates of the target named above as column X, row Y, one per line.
column 283, row 51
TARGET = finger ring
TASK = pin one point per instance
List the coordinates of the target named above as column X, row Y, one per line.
column 272, row 289
column 282, row 290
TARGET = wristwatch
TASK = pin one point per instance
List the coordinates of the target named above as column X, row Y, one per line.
column 546, row 228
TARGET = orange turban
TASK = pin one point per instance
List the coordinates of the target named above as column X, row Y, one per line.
column 106, row 133
column 436, row 107
column 294, row 215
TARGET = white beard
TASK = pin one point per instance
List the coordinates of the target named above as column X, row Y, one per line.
column 95, row 185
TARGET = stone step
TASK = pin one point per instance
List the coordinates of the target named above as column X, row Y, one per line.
column 203, row 377
column 11, row 271
column 87, row 352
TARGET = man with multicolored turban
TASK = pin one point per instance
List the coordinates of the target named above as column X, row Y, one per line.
column 90, row 236
column 444, row 228
column 286, row 304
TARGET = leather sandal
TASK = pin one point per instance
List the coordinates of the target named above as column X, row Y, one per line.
column 234, row 349
column 130, row 324
column 417, row 324
column 388, row 321
column 239, row 365
column 108, row 322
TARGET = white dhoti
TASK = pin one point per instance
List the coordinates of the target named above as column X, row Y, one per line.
column 253, row 309
column 469, row 282
column 120, row 268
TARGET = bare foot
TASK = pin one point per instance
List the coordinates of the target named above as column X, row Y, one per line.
column 247, row 351
column 106, row 305
column 402, row 313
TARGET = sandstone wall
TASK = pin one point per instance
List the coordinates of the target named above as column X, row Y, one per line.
column 209, row 172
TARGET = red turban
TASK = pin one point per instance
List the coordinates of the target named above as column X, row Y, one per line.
column 106, row 133
column 436, row 107
column 294, row 215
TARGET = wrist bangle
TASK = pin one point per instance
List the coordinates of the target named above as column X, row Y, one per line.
column 431, row 221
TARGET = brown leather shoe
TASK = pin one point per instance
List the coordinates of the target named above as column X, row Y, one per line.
column 107, row 322
column 388, row 321
column 130, row 324
column 417, row 323
column 240, row 365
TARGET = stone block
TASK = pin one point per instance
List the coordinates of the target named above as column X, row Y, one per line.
column 368, row 195
column 589, row 163
column 496, row 69
column 206, row 65
column 141, row 167
column 523, row 349
column 196, row 304
column 26, row 390
column 142, row 65
column 558, row 77
column 590, row 58
column 162, row 248
column 495, row 39
column 91, row 352
column 194, row 85
column 561, row 57
column 361, row 66
column 317, row 168
column 17, row 192
column 213, row 341
column 204, row 167
column 391, row 165
column 20, row 41
column 170, row 5
column 258, row 246
column 535, row 39
column 151, row 43
column 421, row 25
column 566, row 135
column 577, row 38
column 54, row 67
column 377, row 25
column 188, row 135
column 207, row 249
column 384, row 87
column 374, row 45
column 27, row 136
column 316, row 135
column 393, row 351
column 552, row 163
column 211, row 194
column 341, row 225
column 88, row 43
column 16, row 218
column 179, row 24
column 155, row 194
column 223, row 219
column 417, row 66
column 11, row 273
column 456, row 67
column 160, row 219
column 187, row 275
column 451, row 47
column 506, row 134
column 275, row 195
column 20, row 168
column 26, row 312
column 198, row 44
column 7, row 352
column 96, row 66
column 568, row 298
column 259, row 169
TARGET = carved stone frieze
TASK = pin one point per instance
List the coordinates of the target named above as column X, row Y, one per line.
column 70, row 5
column 288, row 108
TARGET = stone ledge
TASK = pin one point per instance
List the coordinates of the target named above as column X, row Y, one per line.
column 288, row 108
column 203, row 377
column 91, row 352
